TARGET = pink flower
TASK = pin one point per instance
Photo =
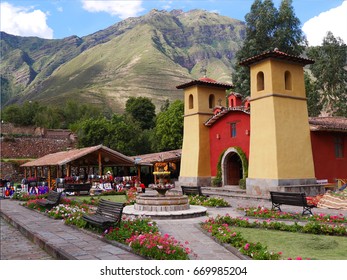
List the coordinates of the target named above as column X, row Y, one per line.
column 246, row 247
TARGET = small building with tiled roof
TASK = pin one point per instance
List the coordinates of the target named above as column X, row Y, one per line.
column 169, row 160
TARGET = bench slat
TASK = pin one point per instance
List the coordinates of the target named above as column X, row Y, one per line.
column 295, row 199
column 108, row 213
column 187, row 190
column 53, row 199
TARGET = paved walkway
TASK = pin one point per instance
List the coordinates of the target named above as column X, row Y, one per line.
column 64, row 242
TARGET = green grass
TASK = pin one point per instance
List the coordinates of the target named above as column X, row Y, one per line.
column 114, row 198
column 292, row 245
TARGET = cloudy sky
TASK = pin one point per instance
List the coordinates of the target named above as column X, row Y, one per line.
column 55, row 19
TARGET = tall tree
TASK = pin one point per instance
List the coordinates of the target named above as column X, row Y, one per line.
column 314, row 104
column 330, row 74
column 288, row 36
column 267, row 28
column 142, row 110
column 168, row 132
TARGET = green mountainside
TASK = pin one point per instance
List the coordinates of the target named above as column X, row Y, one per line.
column 144, row 56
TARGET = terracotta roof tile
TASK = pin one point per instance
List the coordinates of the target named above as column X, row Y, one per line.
column 278, row 55
column 90, row 154
column 223, row 112
column 205, row 82
column 328, row 124
column 158, row 157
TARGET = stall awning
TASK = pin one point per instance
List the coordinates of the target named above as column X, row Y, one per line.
column 83, row 157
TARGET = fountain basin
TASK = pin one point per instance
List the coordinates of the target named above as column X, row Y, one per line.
column 155, row 203
column 194, row 211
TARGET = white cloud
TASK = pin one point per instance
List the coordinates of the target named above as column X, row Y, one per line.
column 122, row 9
column 24, row 21
column 334, row 20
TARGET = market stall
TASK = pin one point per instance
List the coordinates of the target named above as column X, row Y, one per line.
column 78, row 167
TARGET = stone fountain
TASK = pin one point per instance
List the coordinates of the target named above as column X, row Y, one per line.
column 162, row 203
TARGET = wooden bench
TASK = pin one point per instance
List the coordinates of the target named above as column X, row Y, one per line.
column 52, row 200
column 107, row 214
column 192, row 191
column 288, row 198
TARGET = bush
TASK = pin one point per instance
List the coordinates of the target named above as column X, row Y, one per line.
column 207, row 201
column 242, row 184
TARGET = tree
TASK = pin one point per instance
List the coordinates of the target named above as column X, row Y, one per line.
column 314, row 104
column 288, row 36
column 24, row 115
column 267, row 28
column 49, row 117
column 142, row 110
column 330, row 74
column 127, row 137
column 169, row 128
column 120, row 133
column 92, row 132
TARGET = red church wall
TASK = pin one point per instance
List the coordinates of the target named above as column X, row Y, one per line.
column 326, row 165
column 221, row 136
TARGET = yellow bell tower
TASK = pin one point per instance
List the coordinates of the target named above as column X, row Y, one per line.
column 280, row 144
column 200, row 98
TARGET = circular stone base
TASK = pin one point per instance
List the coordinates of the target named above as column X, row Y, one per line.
column 161, row 203
column 192, row 212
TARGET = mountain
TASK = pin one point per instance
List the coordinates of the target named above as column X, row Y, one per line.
column 143, row 56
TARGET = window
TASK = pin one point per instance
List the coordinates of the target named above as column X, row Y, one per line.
column 211, row 101
column 191, row 100
column 260, row 81
column 288, row 80
column 339, row 147
column 233, row 130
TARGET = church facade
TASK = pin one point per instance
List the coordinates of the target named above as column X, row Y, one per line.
column 267, row 141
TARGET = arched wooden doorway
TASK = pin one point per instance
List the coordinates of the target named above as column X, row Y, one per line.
column 232, row 170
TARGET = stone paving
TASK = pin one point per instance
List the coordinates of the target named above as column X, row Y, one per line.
column 64, row 242
column 15, row 246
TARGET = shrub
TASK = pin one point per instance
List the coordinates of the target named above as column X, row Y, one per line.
column 207, row 201
column 158, row 247
column 130, row 227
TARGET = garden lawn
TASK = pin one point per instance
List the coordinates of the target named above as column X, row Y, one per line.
column 114, row 198
column 293, row 245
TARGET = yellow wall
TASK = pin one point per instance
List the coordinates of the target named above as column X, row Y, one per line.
column 280, row 144
column 195, row 161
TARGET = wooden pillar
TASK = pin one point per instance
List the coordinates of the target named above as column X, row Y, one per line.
column 49, row 177
column 139, row 172
column 100, row 163
column 68, row 170
column 35, row 172
column 25, row 172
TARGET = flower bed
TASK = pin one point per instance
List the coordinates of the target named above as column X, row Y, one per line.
column 141, row 234
column 262, row 212
column 207, row 201
column 312, row 227
column 220, row 230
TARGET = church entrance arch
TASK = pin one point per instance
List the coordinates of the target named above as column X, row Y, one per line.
column 232, row 167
